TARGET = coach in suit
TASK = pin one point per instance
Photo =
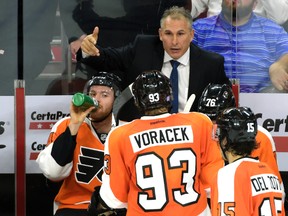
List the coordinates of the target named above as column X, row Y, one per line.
column 197, row 67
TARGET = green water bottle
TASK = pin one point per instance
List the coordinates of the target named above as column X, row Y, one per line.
column 83, row 101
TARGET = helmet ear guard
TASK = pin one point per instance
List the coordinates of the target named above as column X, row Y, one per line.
column 216, row 98
column 152, row 90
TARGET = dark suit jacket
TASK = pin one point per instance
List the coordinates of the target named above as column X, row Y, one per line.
column 147, row 53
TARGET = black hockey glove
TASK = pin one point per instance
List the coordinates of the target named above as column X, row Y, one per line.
column 98, row 207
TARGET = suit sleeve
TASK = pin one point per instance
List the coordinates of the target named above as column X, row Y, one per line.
column 221, row 77
column 110, row 58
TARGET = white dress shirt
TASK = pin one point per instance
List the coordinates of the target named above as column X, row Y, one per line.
column 183, row 76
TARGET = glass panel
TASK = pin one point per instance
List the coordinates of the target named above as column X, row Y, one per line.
column 8, row 62
column 8, row 46
column 42, row 43
column 250, row 43
column 50, row 66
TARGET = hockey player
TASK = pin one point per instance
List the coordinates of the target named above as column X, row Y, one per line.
column 245, row 186
column 214, row 99
column 161, row 163
column 74, row 152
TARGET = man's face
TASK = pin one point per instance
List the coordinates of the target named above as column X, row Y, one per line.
column 236, row 10
column 176, row 35
column 105, row 97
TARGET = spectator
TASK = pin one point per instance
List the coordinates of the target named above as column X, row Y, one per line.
column 197, row 67
column 255, row 48
column 74, row 152
column 215, row 99
column 275, row 10
column 161, row 163
column 245, row 186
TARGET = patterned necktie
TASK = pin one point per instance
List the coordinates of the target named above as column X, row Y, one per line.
column 174, row 83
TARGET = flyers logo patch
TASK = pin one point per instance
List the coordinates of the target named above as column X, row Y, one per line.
column 90, row 165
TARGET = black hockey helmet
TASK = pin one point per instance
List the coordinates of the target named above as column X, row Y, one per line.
column 104, row 79
column 152, row 90
column 239, row 126
column 215, row 98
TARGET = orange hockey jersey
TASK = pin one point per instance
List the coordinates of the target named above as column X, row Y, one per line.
column 246, row 187
column 159, row 165
column 266, row 152
column 81, row 174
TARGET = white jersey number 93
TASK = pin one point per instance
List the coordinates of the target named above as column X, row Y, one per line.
column 156, row 180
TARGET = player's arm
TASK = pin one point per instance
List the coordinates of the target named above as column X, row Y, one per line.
column 55, row 160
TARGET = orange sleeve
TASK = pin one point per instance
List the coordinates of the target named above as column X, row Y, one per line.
column 58, row 129
column 265, row 151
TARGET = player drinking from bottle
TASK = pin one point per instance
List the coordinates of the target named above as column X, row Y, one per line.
column 74, row 151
